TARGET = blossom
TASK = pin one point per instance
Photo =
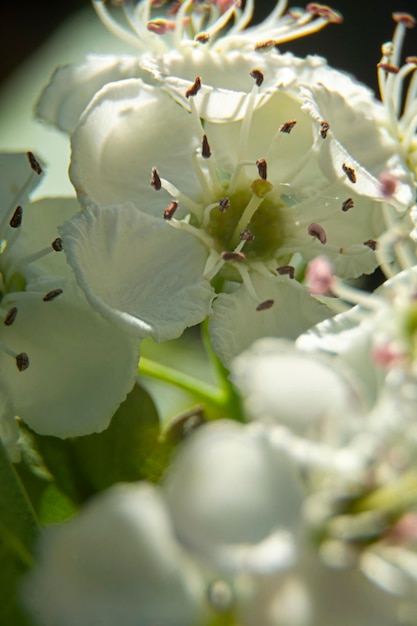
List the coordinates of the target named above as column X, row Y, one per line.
column 351, row 427
column 235, row 502
column 288, row 177
column 185, row 39
column 117, row 562
column 56, row 352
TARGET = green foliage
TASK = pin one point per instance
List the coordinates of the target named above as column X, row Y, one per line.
column 61, row 474
column 18, row 529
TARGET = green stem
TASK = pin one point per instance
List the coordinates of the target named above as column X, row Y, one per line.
column 203, row 391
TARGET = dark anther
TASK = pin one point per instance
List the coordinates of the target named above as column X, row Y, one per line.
column 205, row 148
column 387, row 67
column 51, row 295
column 286, row 270
column 318, row 232
column 371, row 243
column 233, row 256
column 57, row 244
column 404, row 18
column 246, row 235
column 202, row 37
column 170, row 210
column 350, row 172
column 258, row 77
column 34, row 163
column 16, row 219
column 287, row 127
column 224, row 204
column 347, row 204
column 324, row 127
column 22, row 361
column 155, row 180
column 262, row 168
column 264, row 306
column 10, row 316
column 194, row 89
column 265, row 45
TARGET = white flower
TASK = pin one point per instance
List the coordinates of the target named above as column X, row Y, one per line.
column 186, row 39
column 234, row 502
column 247, row 200
column 64, row 370
column 117, row 562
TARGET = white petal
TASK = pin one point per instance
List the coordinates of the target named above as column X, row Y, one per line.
column 235, row 323
column 81, row 366
column 72, row 87
column 233, row 499
column 38, row 230
column 117, row 562
column 18, row 180
column 361, row 143
column 303, row 391
column 128, row 129
column 138, row 271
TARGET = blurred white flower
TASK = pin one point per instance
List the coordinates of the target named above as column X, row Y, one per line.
column 234, row 502
column 117, row 562
column 56, row 352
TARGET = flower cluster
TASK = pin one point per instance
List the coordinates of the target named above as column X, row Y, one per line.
column 225, row 186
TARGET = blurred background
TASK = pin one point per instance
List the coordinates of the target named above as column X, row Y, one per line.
column 353, row 46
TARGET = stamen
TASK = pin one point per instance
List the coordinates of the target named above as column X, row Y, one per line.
column 350, row 172
column 115, row 28
column 170, row 210
column 348, row 204
column 22, row 361
column 205, row 148
column 251, row 208
column 155, row 180
column 246, row 235
column 286, row 270
column 324, row 128
column 16, row 219
column 10, row 316
column 317, row 231
column 194, row 89
column 57, row 244
column 322, row 10
column 388, row 184
column 224, row 204
column 160, row 27
column 371, row 243
column 404, row 18
column 287, row 126
column 34, row 163
column 265, row 45
column 265, row 305
column 387, row 67
column 232, row 256
column 258, row 76
column 51, row 295
column 262, row 168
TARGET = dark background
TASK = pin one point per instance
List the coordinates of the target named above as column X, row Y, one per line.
column 353, row 46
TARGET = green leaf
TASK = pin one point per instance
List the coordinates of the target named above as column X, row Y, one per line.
column 18, row 531
column 124, row 451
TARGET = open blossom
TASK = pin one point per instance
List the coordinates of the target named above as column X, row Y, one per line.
column 182, row 39
column 292, row 174
column 56, row 352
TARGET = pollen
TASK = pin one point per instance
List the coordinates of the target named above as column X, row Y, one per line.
column 350, row 172
column 287, row 126
column 194, row 89
column 51, row 295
